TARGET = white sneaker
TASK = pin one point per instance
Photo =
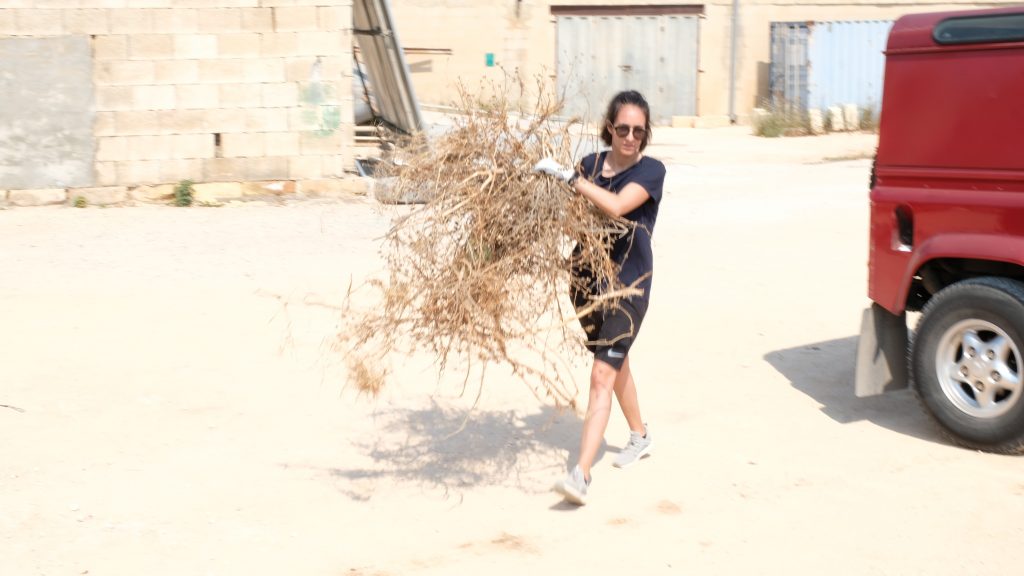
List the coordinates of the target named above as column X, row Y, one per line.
column 639, row 445
column 573, row 487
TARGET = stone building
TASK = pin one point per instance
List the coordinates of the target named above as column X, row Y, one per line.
column 104, row 96
column 113, row 99
column 710, row 60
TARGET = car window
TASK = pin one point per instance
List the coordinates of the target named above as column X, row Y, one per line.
column 979, row 29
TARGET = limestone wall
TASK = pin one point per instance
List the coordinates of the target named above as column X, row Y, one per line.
column 204, row 90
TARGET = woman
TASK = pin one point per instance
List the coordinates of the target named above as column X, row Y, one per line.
column 621, row 182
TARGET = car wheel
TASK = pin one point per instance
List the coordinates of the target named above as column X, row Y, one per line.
column 966, row 363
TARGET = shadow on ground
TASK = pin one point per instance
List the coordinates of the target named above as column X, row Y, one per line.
column 441, row 448
column 825, row 371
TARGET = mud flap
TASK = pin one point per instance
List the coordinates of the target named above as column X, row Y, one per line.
column 881, row 352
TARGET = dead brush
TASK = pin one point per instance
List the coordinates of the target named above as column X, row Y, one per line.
column 480, row 271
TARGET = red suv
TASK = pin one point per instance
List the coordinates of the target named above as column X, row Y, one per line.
column 947, row 225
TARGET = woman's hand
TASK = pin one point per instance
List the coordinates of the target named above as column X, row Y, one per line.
column 550, row 167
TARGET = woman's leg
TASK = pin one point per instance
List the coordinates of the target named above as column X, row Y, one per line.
column 625, row 392
column 602, row 382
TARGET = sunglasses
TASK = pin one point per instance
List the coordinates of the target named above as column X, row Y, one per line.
column 622, row 131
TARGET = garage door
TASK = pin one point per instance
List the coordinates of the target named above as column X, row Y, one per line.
column 600, row 55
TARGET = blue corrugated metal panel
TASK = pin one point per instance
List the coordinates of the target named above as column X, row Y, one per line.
column 821, row 64
column 787, row 76
column 847, row 63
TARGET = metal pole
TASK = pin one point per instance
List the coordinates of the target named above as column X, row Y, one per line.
column 732, row 61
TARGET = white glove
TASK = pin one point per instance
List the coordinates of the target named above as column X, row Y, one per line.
column 549, row 166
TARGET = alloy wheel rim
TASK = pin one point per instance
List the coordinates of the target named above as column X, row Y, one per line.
column 978, row 368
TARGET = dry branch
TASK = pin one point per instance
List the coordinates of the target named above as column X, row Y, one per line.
column 478, row 272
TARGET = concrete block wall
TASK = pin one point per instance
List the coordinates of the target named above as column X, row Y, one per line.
column 209, row 90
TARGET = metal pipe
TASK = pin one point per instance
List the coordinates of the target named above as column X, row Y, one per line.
column 732, row 60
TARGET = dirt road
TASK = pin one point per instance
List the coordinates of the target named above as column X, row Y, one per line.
column 172, row 404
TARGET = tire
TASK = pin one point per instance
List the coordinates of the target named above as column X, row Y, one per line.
column 873, row 179
column 966, row 363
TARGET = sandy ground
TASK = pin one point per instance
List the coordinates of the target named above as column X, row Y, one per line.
column 173, row 404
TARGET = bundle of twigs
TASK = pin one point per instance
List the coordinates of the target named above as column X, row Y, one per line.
column 480, row 272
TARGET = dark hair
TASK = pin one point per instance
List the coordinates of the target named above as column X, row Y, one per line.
column 621, row 99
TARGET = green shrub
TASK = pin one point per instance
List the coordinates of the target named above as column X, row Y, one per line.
column 869, row 120
column 184, row 193
column 782, row 120
column 80, row 202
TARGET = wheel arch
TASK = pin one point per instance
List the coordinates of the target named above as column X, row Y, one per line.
column 947, row 259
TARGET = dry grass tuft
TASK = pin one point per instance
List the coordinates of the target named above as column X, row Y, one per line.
column 368, row 379
column 480, row 272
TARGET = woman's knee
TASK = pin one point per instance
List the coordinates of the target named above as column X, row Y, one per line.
column 602, row 377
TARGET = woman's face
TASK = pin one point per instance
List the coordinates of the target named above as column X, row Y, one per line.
column 631, row 123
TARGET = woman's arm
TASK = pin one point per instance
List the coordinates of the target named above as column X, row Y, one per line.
column 616, row 205
column 631, row 197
